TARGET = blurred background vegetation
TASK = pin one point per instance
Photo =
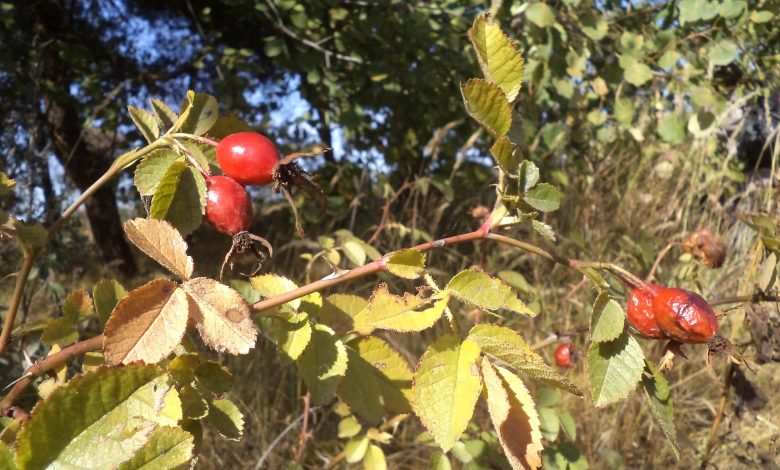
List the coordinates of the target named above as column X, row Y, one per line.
column 655, row 118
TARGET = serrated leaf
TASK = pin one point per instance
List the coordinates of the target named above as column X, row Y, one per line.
column 213, row 377
column 529, row 175
column 323, row 364
column 508, row 346
column 505, row 155
column 378, row 380
column 374, row 458
column 203, row 113
column 291, row 335
column 567, row 424
column 147, row 324
column 550, row 424
column 117, row 407
column 514, row 417
column 6, row 457
column 659, row 399
column 77, row 305
column 498, row 56
column 607, row 320
column 107, row 293
column 221, row 316
column 167, row 447
column 226, row 418
column 614, row 368
column 723, row 52
column 62, row 331
column 486, row 103
column 339, row 310
column 544, row 197
column 476, row 287
column 408, row 264
column 391, row 312
column 193, row 403
column 180, row 197
column 446, row 388
column 354, row 252
column 540, row 14
column 151, row 170
column 165, row 115
column 161, row 242
column 145, row 122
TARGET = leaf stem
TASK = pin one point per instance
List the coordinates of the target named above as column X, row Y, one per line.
column 197, row 138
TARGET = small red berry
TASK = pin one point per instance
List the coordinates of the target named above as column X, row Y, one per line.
column 228, row 208
column 564, row 355
column 640, row 312
column 248, row 157
column 684, row 316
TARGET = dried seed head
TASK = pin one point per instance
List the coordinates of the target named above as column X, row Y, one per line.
column 706, row 246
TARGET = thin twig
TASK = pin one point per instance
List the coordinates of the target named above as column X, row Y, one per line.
column 279, row 438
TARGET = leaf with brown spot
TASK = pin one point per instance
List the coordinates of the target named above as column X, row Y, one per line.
column 221, row 316
column 514, row 417
column 161, row 242
column 147, row 324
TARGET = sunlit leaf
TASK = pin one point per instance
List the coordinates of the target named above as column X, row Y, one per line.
column 391, row 312
column 505, row 155
column 498, row 56
column 151, row 170
column 374, row 458
column 165, row 115
column 544, row 197
column 486, row 103
column 408, row 264
column 180, row 197
column 323, row 363
column 161, row 242
column 607, row 319
column 477, row 288
column 145, row 122
column 226, row 418
column 614, row 368
column 446, row 388
column 659, row 399
column 292, row 334
column 203, row 113
column 540, row 14
column 167, row 447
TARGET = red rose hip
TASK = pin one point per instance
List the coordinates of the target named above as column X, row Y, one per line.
column 248, row 157
column 684, row 316
column 228, row 208
column 640, row 312
column 563, row 355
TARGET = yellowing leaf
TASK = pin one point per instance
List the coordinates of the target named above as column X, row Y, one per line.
column 338, row 311
column 514, row 417
column 391, row 312
column 408, row 264
column 291, row 335
column 221, row 316
column 167, row 447
column 270, row 285
column 225, row 416
column 161, row 242
column 505, row 344
column 323, row 363
column 614, row 368
column 77, row 306
column 446, row 388
column 115, row 407
column 505, row 154
column 147, row 324
column 498, row 56
column 475, row 287
column 374, row 459
column 378, row 380
column 107, row 294
column 486, row 103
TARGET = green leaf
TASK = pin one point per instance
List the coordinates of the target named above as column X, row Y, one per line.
column 339, row 310
column 270, row 285
column 213, row 377
column 637, row 73
column 374, row 459
column 498, row 56
column 117, row 407
column 349, row 426
column 608, row 319
column 228, row 124
column 378, row 380
column 151, row 170
column 408, row 264
column 226, row 418
column 145, row 122
column 544, row 197
column 543, row 229
column 671, row 128
column 323, row 363
column 487, row 104
column 567, row 424
column 107, row 293
column 291, row 335
column 60, row 331
column 659, row 398
column 6, row 457
column 356, row 449
column 505, row 154
column 477, row 288
column 165, row 115
column 624, row 111
column 529, row 175
column 193, row 403
column 31, row 237
column 508, row 346
column 406, row 314
column 732, row 8
column 180, row 198
column 614, row 368
column 168, row 447
column 446, row 387
column 514, row 417
column 540, row 14
column 439, row 461
column 669, row 59
column 762, row 16
column 203, row 113
column 6, row 184
column 723, row 52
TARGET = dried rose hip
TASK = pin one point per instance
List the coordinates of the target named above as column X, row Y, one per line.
column 684, row 316
column 228, row 208
column 640, row 312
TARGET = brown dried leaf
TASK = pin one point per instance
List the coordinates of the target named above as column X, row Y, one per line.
column 161, row 242
column 147, row 324
column 221, row 315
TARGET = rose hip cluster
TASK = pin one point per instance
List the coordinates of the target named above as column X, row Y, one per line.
column 246, row 158
column 681, row 316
